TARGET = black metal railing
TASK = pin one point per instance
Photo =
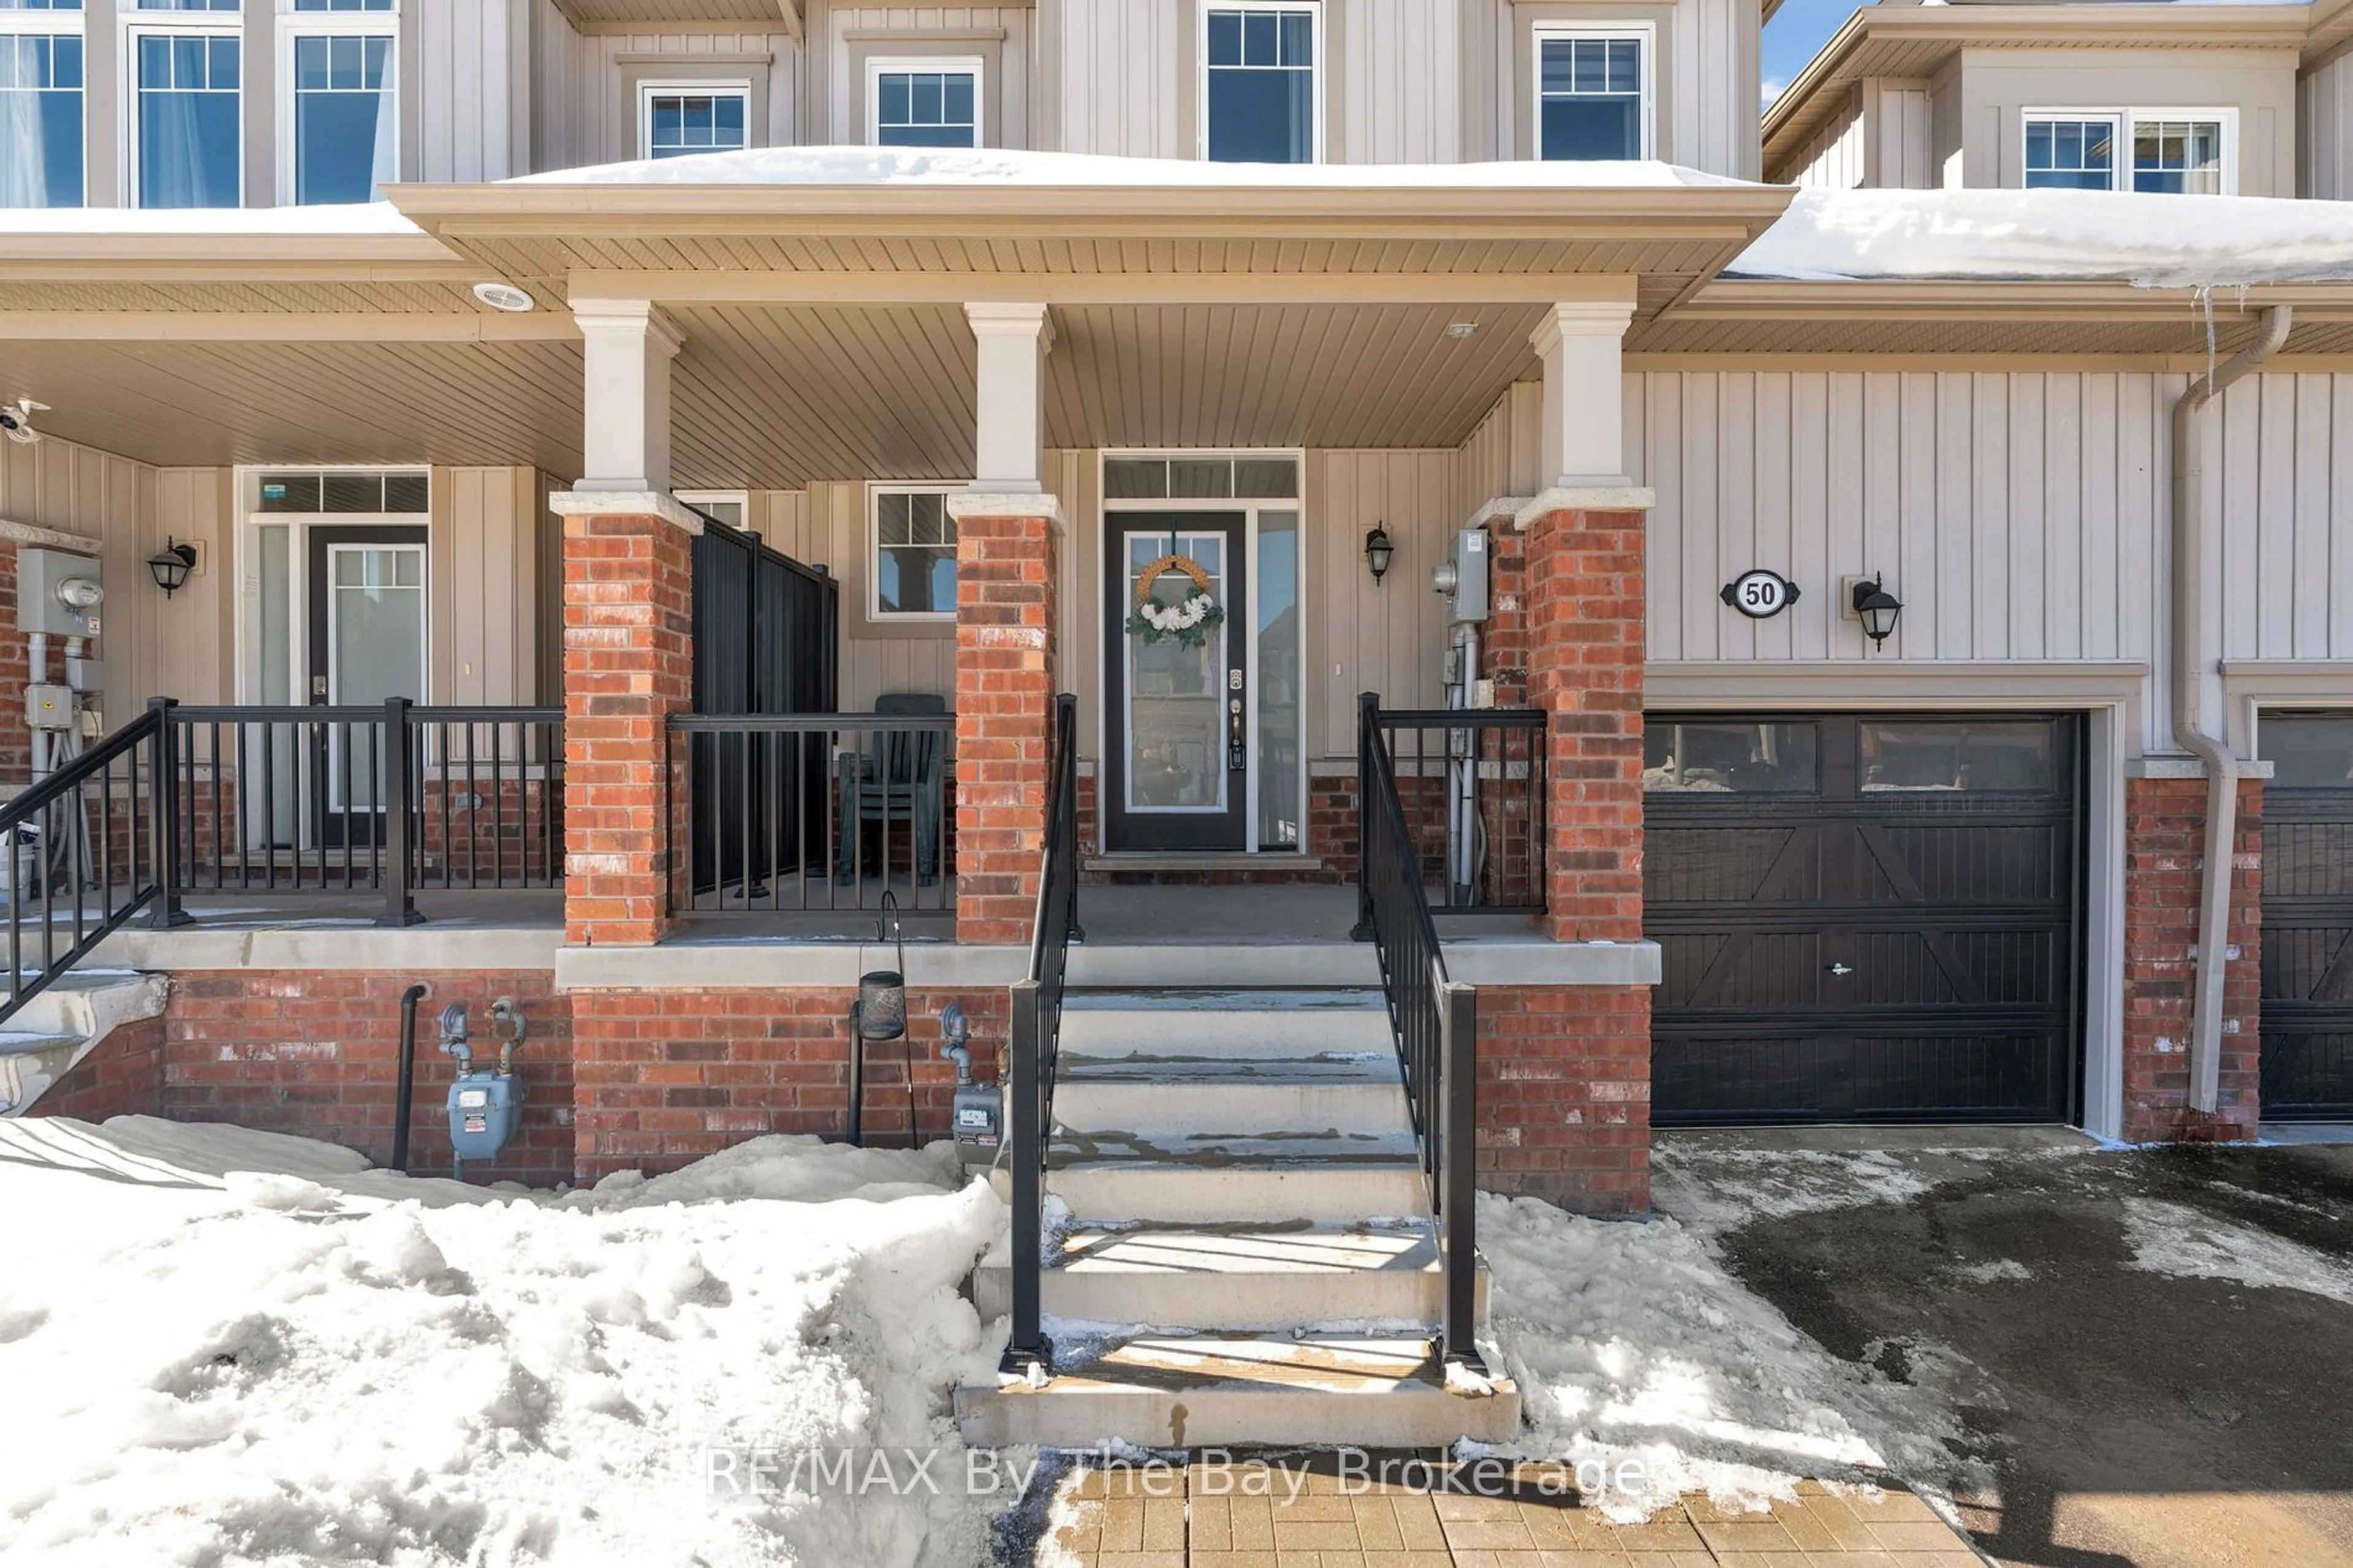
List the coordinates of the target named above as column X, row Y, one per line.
column 393, row 798
column 813, row 813
column 93, row 823
column 1034, row 1039
column 1435, row 1020
column 1470, row 783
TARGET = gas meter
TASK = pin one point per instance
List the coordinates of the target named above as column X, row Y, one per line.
column 979, row 1107
column 485, row 1104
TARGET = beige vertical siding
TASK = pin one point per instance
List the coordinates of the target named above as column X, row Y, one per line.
column 1901, row 152
column 486, row 608
column 1124, row 87
column 1998, row 85
column 1832, row 158
column 1361, row 635
column 2285, row 494
column 473, row 85
column 588, row 108
column 1396, row 82
column 559, row 72
column 2325, row 116
column 1500, row 457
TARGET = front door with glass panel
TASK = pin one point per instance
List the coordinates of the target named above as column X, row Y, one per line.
column 367, row 616
column 1202, row 750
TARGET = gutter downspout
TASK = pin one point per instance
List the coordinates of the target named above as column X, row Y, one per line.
column 2188, row 682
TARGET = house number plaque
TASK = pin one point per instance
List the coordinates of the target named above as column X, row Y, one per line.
column 1760, row 595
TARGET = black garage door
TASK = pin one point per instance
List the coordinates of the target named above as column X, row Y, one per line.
column 1863, row 918
column 2307, row 1015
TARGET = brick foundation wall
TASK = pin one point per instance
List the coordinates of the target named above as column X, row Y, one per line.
column 667, row 1077
column 1006, row 581
column 315, row 1055
column 123, row 1076
column 2165, row 853
column 629, row 665
column 16, row 672
column 1564, row 1095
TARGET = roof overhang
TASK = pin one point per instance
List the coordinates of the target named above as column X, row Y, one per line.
column 1916, row 41
column 652, row 15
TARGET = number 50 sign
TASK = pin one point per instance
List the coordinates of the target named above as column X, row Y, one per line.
column 1760, row 595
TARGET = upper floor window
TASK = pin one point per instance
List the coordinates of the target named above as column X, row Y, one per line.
column 1261, row 101
column 679, row 119
column 924, row 103
column 339, row 117
column 342, row 5
column 1593, row 92
column 189, row 4
column 188, row 147
column 914, row 552
column 41, row 118
column 2171, row 151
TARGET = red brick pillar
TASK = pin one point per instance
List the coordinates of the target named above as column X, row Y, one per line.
column 627, row 666
column 1005, row 578
column 1565, row 1071
column 2165, row 854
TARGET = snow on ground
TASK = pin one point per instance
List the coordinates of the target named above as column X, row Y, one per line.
column 2173, row 1238
column 1630, row 1341
column 2158, row 241
column 222, row 1347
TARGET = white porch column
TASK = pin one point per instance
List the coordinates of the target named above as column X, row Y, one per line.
column 1009, row 454
column 626, row 347
column 1583, row 437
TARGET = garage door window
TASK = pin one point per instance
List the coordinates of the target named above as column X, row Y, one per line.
column 2309, row 752
column 1916, row 755
column 1730, row 759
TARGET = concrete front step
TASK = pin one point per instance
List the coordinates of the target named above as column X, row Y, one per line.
column 1171, row 1094
column 29, row 1064
column 1174, row 1390
column 1255, row 1026
column 1237, row 1277
column 49, row 1036
column 1222, row 1178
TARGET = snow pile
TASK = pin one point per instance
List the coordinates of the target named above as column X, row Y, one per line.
column 1002, row 167
column 2156, row 241
column 217, row 1351
column 1630, row 1341
column 2175, row 1239
column 356, row 220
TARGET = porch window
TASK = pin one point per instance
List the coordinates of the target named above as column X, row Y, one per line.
column 2171, row 151
column 339, row 116
column 345, row 491
column 914, row 561
column 923, row 103
column 189, row 4
column 40, row 119
column 733, row 508
column 1592, row 94
column 679, row 120
column 2070, row 154
column 189, row 144
column 2178, row 156
column 1261, row 97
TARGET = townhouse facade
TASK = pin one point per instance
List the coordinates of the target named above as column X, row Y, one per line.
column 1369, row 280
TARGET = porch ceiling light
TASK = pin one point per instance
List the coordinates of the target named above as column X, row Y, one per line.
column 171, row 565
column 503, row 297
column 1377, row 551
column 1877, row 609
column 1459, row 329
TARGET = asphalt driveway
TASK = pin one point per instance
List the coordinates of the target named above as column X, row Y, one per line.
column 2146, row 1357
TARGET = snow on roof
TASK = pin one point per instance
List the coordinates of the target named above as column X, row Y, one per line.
column 1009, row 166
column 358, row 220
column 2155, row 241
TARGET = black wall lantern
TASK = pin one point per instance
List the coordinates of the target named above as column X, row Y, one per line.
column 171, row 564
column 1877, row 609
column 1377, row 551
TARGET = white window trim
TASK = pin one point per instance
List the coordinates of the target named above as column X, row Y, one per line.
column 1644, row 33
column 874, row 493
column 712, row 87
column 60, row 25
column 1201, row 73
column 880, row 66
column 293, row 25
column 246, row 593
column 722, row 497
column 2127, row 120
column 133, row 25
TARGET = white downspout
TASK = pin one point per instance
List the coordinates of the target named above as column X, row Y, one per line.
column 2190, row 725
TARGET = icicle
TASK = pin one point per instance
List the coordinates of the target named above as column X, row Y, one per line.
column 2204, row 293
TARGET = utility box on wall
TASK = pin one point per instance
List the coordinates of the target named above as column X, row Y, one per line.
column 58, row 593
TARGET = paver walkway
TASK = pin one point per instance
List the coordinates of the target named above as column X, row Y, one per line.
column 1207, row 1517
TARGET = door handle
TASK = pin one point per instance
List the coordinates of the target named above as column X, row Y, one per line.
column 1840, row 969
column 1237, row 756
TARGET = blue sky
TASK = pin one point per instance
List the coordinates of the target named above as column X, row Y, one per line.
column 1795, row 31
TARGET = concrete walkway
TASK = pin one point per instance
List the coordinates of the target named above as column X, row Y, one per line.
column 1242, row 1516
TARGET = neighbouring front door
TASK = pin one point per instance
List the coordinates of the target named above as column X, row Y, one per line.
column 367, row 621
column 1177, row 703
